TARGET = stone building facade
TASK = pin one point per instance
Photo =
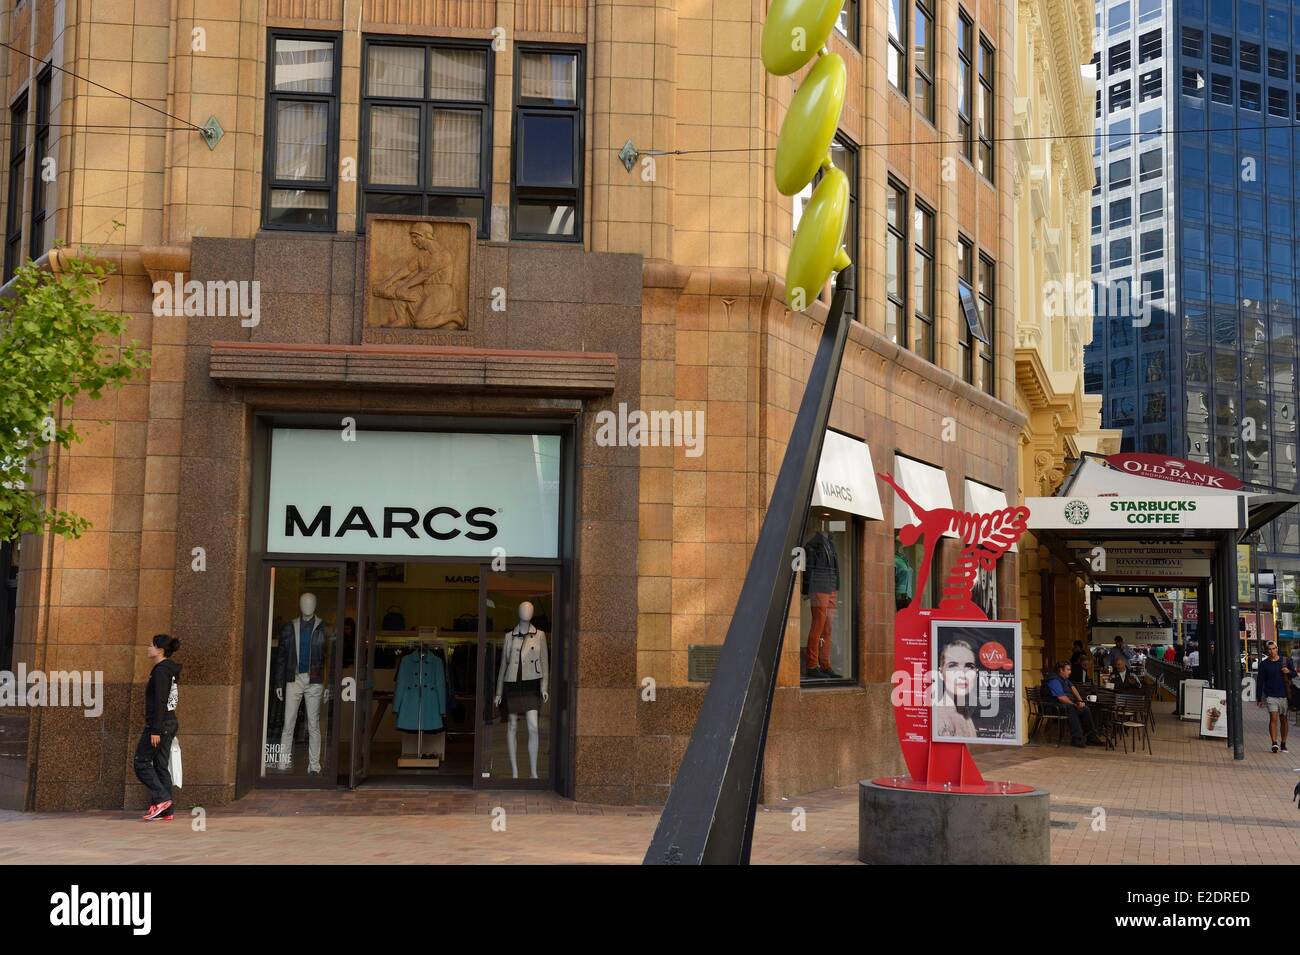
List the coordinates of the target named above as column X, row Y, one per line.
column 587, row 287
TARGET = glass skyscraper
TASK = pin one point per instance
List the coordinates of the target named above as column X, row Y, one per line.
column 1196, row 199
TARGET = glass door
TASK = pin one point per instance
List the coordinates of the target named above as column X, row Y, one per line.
column 363, row 675
column 517, row 616
column 299, row 723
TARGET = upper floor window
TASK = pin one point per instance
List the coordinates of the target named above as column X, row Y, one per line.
column 43, row 184
column 965, row 76
column 300, row 163
column 426, row 129
column 923, row 53
column 1193, row 43
column 848, row 22
column 923, row 276
column 896, row 264
column 1118, row 18
column 988, row 323
column 897, row 51
column 547, row 149
column 1119, row 58
column 17, row 167
column 984, row 115
column 1150, row 46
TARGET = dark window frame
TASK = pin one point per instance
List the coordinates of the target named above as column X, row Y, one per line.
column 923, row 74
column 985, row 294
column 17, row 169
column 966, row 61
column 269, row 133
column 854, row 33
column 901, row 236
column 519, row 108
column 899, row 45
column 427, row 105
column 924, row 316
column 1150, row 46
column 988, row 86
column 966, row 276
column 40, row 147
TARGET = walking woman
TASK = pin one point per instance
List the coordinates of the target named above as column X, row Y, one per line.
column 153, row 752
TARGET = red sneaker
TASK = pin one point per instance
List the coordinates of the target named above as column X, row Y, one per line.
column 157, row 810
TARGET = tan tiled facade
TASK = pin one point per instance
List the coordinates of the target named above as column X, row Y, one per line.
column 677, row 277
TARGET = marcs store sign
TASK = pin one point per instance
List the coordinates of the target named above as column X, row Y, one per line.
column 1163, row 468
column 413, row 493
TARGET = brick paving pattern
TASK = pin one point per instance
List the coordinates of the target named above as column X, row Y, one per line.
column 1189, row 803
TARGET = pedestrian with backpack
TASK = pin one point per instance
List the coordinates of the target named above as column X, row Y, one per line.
column 153, row 752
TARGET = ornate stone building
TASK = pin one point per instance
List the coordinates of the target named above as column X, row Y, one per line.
column 1053, row 123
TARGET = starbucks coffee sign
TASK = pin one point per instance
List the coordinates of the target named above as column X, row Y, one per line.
column 1124, row 513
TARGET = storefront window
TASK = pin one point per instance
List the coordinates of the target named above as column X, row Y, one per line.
column 301, row 654
column 907, row 562
column 826, row 632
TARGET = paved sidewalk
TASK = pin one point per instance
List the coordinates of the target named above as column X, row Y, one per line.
column 1188, row 803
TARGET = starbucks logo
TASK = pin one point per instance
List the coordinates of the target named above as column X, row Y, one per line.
column 1076, row 512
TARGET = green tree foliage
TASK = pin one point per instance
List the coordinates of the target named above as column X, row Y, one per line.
column 54, row 346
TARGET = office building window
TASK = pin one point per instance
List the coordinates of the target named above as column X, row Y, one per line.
column 1149, row 86
column 1121, row 173
column 1121, row 213
column 1096, row 220
column 17, row 166
column 1153, row 286
column 988, row 321
column 1118, row 18
column 1249, row 57
column 984, row 117
column 426, row 125
column 1119, row 58
column 1221, row 89
column 923, row 279
column 1151, row 205
column 1193, row 43
column 44, row 183
column 300, row 161
column 923, row 56
column 1148, row 10
column 1279, row 102
column 965, row 77
column 1149, row 125
column 1150, row 46
column 897, row 52
column 1152, row 245
column 1250, row 96
column 1121, row 253
column 1120, row 134
column 896, row 264
column 1193, row 82
column 1150, row 165
column 1279, row 64
column 1096, row 249
column 548, row 139
column 1220, row 49
column 848, row 23
column 1121, row 95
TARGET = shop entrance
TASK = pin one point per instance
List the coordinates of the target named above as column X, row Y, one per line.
column 410, row 674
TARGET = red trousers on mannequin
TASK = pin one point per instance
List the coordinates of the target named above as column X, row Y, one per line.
column 818, row 654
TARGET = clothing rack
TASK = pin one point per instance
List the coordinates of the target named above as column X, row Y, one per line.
column 419, row 761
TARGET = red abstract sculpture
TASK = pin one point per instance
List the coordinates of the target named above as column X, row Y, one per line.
column 983, row 538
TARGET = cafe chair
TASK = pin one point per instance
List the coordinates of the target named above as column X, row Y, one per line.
column 1042, row 711
column 1133, row 715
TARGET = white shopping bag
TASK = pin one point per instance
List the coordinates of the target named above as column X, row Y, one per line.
column 174, row 763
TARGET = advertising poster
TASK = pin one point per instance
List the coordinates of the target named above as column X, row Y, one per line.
column 1214, row 713
column 976, row 695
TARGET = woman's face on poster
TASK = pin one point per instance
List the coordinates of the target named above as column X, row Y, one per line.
column 958, row 669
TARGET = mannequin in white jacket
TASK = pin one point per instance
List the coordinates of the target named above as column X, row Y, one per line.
column 522, row 681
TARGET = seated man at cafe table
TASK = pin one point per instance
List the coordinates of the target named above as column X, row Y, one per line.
column 1059, row 687
column 1125, row 680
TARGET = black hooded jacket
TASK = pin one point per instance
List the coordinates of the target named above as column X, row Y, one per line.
column 161, row 695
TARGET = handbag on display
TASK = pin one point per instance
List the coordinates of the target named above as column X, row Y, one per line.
column 174, row 763
column 394, row 619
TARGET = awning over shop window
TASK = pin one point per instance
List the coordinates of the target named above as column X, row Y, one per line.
column 982, row 499
column 927, row 485
column 846, row 481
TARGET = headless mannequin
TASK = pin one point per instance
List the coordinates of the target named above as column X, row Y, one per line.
column 302, row 694
column 509, row 650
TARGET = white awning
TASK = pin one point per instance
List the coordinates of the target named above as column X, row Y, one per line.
column 982, row 499
column 927, row 485
column 846, row 481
